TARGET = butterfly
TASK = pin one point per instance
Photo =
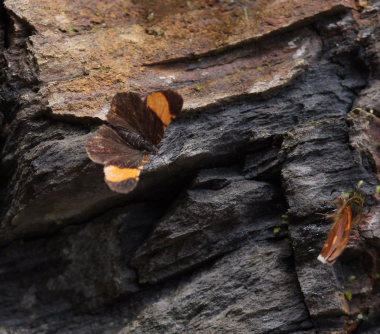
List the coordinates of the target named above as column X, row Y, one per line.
column 134, row 129
column 348, row 212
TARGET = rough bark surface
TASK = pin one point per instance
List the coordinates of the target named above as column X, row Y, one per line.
column 281, row 116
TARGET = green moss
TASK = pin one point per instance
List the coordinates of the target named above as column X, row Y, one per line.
column 352, row 278
column 285, row 220
column 277, row 230
column 346, row 195
column 72, row 30
column 348, row 295
column 360, row 183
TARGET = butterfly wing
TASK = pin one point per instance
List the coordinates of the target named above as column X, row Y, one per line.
column 122, row 163
column 165, row 104
column 338, row 236
column 127, row 111
column 108, row 148
column 149, row 118
column 122, row 180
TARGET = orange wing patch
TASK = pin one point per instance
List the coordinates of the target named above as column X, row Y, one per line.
column 159, row 104
column 116, row 174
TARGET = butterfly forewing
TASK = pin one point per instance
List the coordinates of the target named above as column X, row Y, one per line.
column 127, row 111
column 165, row 104
column 149, row 120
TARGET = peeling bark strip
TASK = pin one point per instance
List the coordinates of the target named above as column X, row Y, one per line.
column 199, row 246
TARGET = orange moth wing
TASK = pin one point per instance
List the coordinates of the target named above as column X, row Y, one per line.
column 338, row 236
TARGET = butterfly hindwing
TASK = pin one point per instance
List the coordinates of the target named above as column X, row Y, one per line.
column 122, row 180
column 122, row 164
column 108, row 148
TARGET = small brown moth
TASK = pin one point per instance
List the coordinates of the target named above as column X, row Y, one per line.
column 348, row 212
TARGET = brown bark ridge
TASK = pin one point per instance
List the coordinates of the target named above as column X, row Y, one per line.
column 281, row 116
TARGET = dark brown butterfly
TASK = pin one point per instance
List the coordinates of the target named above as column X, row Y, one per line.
column 349, row 212
column 134, row 129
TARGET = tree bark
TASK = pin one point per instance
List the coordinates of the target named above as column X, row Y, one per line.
column 281, row 116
